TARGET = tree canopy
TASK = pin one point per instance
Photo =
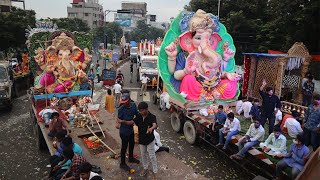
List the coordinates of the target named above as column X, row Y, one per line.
column 259, row 25
column 144, row 31
column 111, row 29
column 13, row 25
column 71, row 24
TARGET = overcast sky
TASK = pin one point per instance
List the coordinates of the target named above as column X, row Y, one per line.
column 164, row 9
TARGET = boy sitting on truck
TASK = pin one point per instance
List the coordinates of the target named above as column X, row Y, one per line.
column 218, row 122
column 275, row 144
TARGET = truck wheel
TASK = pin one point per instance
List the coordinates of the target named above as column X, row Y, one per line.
column 41, row 142
column 190, row 132
column 176, row 122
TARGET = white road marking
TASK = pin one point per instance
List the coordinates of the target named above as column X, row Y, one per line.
column 134, row 95
column 146, row 97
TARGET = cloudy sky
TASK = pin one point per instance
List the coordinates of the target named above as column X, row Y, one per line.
column 164, row 9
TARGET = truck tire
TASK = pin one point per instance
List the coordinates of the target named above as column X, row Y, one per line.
column 41, row 142
column 190, row 132
column 176, row 122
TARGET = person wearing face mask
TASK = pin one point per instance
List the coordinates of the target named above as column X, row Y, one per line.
column 275, row 144
column 254, row 136
column 295, row 158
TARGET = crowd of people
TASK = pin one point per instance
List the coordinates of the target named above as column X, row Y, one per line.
column 304, row 132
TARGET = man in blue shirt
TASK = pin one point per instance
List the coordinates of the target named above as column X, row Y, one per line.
column 218, row 122
column 312, row 125
column 295, row 158
column 126, row 114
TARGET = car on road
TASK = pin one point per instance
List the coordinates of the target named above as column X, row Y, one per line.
column 6, row 84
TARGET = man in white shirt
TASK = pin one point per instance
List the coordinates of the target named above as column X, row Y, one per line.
column 245, row 108
column 238, row 105
column 158, row 145
column 144, row 81
column 293, row 126
column 117, row 91
column 278, row 117
column 275, row 144
column 230, row 128
column 254, row 136
column 85, row 170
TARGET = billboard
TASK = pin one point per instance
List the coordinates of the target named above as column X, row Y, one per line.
column 123, row 19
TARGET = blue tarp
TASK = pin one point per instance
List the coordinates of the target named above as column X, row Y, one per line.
column 133, row 44
column 265, row 54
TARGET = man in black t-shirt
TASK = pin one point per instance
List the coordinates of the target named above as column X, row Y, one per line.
column 270, row 106
column 146, row 123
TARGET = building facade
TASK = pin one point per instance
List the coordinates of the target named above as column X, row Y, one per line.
column 5, row 6
column 89, row 11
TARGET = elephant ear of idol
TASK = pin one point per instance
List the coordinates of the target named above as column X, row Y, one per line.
column 172, row 34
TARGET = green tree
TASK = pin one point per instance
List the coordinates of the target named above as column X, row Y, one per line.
column 144, row 31
column 13, row 25
column 260, row 25
column 112, row 30
column 71, row 24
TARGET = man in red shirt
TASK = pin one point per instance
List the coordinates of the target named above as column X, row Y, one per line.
column 57, row 125
column 284, row 119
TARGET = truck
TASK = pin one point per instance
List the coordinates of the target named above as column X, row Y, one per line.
column 148, row 66
column 186, row 115
column 6, row 85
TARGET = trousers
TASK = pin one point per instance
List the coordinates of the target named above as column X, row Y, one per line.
column 149, row 149
column 125, row 141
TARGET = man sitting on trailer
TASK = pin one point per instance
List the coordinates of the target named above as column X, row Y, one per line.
column 231, row 128
column 218, row 122
column 76, row 160
column 295, row 158
column 254, row 136
column 275, row 144
column 57, row 124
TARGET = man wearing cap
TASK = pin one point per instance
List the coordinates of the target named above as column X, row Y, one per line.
column 126, row 114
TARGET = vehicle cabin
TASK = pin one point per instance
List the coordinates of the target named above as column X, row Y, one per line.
column 149, row 66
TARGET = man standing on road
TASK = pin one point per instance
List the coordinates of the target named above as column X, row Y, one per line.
column 117, row 91
column 98, row 72
column 126, row 114
column 131, row 72
column 144, row 82
column 270, row 106
column 146, row 123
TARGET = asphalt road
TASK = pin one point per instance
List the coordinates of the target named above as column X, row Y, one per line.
column 20, row 158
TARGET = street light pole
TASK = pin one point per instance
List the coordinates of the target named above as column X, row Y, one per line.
column 219, row 8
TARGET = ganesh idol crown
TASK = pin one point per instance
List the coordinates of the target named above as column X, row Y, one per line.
column 197, row 59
